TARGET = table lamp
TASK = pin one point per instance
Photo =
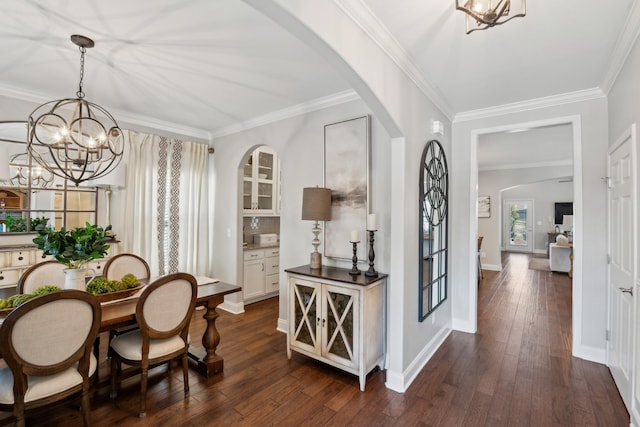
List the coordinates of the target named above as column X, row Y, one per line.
column 316, row 206
column 567, row 222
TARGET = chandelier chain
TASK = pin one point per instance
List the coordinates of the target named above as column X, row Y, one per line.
column 80, row 93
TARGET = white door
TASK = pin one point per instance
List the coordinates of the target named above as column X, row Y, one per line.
column 518, row 225
column 621, row 269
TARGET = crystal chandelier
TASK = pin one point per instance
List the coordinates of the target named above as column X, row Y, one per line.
column 74, row 138
column 483, row 14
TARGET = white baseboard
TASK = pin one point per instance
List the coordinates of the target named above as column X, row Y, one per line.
column 634, row 420
column 232, row 307
column 492, row 267
column 592, row 354
column 283, row 325
column 464, row 326
column 400, row 381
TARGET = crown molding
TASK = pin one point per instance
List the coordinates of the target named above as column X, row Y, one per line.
column 375, row 29
column 287, row 113
column 526, row 165
column 622, row 48
column 532, row 104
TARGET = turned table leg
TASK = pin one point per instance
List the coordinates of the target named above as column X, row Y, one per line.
column 209, row 363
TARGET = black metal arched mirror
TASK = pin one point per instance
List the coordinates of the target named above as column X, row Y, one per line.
column 434, row 224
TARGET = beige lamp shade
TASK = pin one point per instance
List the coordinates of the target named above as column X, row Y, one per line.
column 316, row 204
column 567, row 220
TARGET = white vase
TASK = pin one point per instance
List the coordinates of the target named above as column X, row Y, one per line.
column 76, row 278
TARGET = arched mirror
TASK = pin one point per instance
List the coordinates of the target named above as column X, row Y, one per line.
column 434, row 223
column 30, row 195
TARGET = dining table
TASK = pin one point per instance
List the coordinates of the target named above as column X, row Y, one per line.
column 119, row 313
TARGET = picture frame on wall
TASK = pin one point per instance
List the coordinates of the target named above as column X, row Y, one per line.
column 347, row 146
column 484, row 207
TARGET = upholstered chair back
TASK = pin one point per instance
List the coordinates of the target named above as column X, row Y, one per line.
column 41, row 274
column 122, row 264
column 47, row 345
column 166, row 305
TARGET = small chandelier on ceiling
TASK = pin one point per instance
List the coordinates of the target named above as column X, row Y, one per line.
column 74, row 138
column 483, row 14
column 24, row 174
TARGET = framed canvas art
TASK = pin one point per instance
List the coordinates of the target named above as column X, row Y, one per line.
column 346, row 173
column 484, row 206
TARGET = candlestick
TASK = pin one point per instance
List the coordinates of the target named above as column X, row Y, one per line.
column 355, row 236
column 354, row 270
column 372, row 271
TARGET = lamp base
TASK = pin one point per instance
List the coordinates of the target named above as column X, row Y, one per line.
column 316, row 260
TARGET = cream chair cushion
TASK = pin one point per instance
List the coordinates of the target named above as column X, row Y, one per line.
column 40, row 387
column 129, row 345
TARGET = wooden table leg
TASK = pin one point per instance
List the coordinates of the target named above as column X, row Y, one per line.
column 209, row 363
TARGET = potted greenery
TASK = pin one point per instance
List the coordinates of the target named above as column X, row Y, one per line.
column 74, row 248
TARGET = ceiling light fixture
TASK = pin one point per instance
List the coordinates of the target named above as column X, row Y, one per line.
column 74, row 138
column 23, row 172
column 483, row 14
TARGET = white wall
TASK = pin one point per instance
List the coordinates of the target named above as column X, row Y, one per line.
column 590, row 134
column 526, row 181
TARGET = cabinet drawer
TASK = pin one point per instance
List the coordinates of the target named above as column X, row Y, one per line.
column 97, row 266
column 272, row 283
column 20, row 258
column 272, row 265
column 251, row 255
column 271, row 252
column 41, row 257
column 9, row 277
column 5, row 259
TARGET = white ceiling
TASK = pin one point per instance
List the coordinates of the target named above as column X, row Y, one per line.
column 204, row 66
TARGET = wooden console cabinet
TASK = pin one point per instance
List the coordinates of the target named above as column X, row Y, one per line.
column 337, row 318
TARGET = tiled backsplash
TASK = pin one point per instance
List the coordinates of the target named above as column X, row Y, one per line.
column 259, row 225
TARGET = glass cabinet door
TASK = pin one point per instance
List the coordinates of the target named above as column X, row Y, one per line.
column 341, row 314
column 304, row 317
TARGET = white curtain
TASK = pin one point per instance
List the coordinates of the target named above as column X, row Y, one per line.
column 167, row 199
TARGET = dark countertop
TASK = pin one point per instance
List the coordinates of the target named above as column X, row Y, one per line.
column 252, row 246
column 337, row 274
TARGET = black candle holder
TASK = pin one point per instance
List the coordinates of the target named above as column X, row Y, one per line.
column 354, row 270
column 371, row 272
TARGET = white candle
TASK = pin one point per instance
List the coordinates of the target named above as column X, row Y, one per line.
column 372, row 222
column 355, row 236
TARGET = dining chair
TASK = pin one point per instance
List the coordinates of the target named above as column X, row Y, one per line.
column 163, row 313
column 119, row 265
column 41, row 274
column 46, row 344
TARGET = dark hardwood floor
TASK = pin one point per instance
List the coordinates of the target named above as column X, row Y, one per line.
column 516, row 371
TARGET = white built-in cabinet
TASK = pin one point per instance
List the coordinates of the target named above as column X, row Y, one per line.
column 261, row 181
column 337, row 318
column 261, row 278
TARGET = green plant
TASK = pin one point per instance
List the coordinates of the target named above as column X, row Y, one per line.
column 15, row 224
column 73, row 248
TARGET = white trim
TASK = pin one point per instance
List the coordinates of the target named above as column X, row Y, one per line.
column 400, row 381
column 532, row 104
column 493, row 267
column 364, row 18
column 578, row 349
column 232, row 307
column 283, row 326
column 287, row 113
column 622, row 48
column 592, row 354
column 526, row 165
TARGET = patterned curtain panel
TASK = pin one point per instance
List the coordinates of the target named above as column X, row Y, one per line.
column 167, row 200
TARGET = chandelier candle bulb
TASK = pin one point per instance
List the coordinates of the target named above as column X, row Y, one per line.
column 372, row 222
column 355, row 236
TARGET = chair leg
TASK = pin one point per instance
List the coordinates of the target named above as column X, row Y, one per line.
column 86, row 408
column 185, row 374
column 114, row 374
column 143, row 393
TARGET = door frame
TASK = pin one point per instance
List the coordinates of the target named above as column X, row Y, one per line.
column 530, row 222
column 577, row 348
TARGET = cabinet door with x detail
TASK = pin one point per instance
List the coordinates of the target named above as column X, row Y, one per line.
column 305, row 324
column 340, row 325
